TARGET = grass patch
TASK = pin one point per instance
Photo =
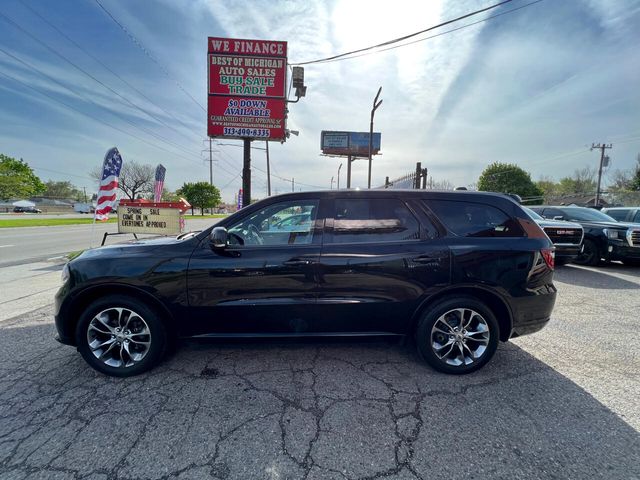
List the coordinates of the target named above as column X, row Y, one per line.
column 71, row 255
column 49, row 222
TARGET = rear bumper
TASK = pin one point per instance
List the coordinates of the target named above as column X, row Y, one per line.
column 532, row 313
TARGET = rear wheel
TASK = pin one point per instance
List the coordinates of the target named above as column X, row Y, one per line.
column 121, row 336
column 590, row 254
column 458, row 335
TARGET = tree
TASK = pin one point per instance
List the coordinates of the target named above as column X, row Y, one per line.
column 136, row 179
column 548, row 186
column 62, row 190
column 17, row 179
column 509, row 178
column 200, row 194
column 634, row 184
column 583, row 182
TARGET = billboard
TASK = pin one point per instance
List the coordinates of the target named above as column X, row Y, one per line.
column 349, row 143
column 247, row 81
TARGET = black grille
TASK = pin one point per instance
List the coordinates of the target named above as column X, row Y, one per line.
column 635, row 238
column 569, row 235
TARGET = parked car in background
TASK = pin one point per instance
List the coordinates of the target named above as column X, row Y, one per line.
column 458, row 271
column 604, row 237
column 26, row 210
column 566, row 236
column 624, row 214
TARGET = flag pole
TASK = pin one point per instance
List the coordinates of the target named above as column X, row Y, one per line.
column 93, row 225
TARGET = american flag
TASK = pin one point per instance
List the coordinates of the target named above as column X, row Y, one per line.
column 108, row 184
column 157, row 189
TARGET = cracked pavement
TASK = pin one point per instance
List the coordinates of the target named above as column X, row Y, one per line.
column 562, row 403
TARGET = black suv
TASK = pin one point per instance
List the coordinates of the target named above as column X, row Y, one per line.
column 604, row 237
column 457, row 270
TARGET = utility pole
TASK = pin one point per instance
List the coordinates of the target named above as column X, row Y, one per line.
column 339, row 176
column 376, row 104
column 331, row 188
column 292, row 185
column 268, row 172
column 349, row 171
column 210, row 163
column 246, row 173
column 602, row 148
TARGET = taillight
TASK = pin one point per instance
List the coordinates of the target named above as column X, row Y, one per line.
column 549, row 256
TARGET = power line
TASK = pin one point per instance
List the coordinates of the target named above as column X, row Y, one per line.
column 89, row 54
column 148, row 54
column 436, row 35
column 405, row 37
column 153, row 134
column 91, row 116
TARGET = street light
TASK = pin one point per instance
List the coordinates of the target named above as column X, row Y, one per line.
column 339, row 176
column 376, row 104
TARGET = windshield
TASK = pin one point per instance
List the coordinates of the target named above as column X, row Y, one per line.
column 587, row 215
column 532, row 214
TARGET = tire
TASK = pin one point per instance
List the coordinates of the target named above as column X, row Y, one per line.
column 590, row 254
column 432, row 323
column 120, row 336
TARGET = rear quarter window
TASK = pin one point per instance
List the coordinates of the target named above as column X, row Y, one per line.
column 471, row 219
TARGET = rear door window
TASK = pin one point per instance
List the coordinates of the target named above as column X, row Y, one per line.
column 470, row 219
column 373, row 220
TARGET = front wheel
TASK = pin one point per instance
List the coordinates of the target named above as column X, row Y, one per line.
column 590, row 254
column 120, row 336
column 458, row 335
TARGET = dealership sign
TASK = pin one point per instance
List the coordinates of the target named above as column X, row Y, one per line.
column 247, row 88
column 161, row 218
column 349, row 143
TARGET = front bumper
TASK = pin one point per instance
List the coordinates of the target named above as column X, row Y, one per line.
column 566, row 253
column 618, row 250
column 64, row 334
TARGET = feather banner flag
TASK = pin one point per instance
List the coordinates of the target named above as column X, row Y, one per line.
column 159, row 185
column 108, row 184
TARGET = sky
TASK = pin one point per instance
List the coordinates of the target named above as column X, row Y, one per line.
column 535, row 86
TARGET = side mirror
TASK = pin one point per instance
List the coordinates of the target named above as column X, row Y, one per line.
column 219, row 237
column 558, row 217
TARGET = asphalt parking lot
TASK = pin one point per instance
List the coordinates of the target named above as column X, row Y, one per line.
column 562, row 403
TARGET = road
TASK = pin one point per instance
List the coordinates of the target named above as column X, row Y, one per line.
column 562, row 403
column 27, row 244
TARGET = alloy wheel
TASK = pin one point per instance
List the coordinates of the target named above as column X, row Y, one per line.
column 460, row 337
column 118, row 337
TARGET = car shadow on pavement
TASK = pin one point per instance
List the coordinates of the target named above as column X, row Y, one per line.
column 597, row 279
column 303, row 409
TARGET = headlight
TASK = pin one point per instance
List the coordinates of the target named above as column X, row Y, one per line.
column 612, row 234
column 65, row 273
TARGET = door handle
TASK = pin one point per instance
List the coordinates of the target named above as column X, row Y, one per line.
column 425, row 259
column 297, row 262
